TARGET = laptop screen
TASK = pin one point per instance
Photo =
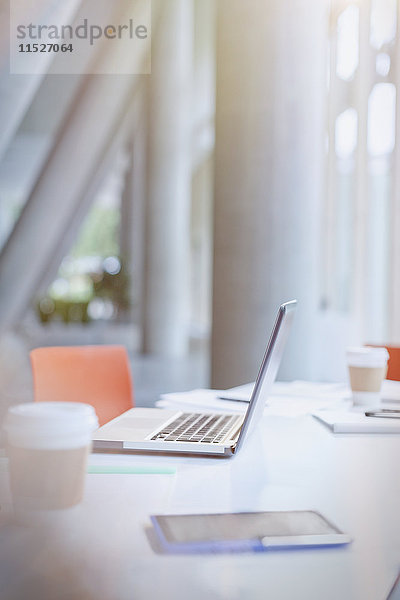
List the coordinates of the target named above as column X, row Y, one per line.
column 269, row 368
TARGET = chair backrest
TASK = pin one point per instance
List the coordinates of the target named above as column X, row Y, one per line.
column 97, row 375
column 393, row 363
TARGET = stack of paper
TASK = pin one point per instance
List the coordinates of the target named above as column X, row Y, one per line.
column 391, row 391
column 287, row 399
column 302, row 389
column 329, row 402
column 356, row 422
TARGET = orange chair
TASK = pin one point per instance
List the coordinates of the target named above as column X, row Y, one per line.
column 393, row 362
column 97, row 375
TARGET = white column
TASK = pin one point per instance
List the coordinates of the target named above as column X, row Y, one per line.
column 271, row 89
column 394, row 290
column 133, row 208
column 168, row 182
column 364, row 84
column 203, row 139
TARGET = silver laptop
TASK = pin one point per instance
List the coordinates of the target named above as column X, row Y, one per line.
column 173, row 431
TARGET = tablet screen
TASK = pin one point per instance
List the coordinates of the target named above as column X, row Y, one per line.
column 243, row 526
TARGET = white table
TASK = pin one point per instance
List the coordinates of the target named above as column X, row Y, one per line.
column 104, row 550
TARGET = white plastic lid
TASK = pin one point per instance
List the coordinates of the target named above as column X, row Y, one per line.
column 50, row 425
column 366, row 356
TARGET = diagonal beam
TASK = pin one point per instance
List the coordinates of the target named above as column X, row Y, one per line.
column 65, row 179
column 18, row 91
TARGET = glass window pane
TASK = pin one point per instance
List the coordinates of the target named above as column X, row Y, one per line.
column 382, row 64
column 381, row 119
column 383, row 22
column 18, row 172
column 346, row 133
column 347, row 42
column 91, row 283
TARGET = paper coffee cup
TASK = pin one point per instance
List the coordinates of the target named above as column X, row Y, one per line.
column 48, row 444
column 367, row 369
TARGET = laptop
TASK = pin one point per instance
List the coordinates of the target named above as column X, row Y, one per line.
column 148, row 430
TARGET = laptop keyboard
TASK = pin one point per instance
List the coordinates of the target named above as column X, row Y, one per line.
column 194, row 427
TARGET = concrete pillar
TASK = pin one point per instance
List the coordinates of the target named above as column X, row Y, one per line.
column 165, row 318
column 203, row 139
column 365, row 72
column 270, row 153
column 201, row 251
column 133, row 208
column 394, row 294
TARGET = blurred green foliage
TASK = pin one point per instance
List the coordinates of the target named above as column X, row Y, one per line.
column 99, row 234
column 98, row 237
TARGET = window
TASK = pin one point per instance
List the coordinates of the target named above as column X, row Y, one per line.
column 362, row 219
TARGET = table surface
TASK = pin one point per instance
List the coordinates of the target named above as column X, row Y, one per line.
column 105, row 549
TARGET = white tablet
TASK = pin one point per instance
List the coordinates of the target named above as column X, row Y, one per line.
column 239, row 532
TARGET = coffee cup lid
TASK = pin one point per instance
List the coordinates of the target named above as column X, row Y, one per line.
column 50, row 424
column 367, row 356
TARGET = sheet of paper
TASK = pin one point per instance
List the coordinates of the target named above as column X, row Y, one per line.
column 200, row 400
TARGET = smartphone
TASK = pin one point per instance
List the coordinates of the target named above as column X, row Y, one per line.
column 247, row 531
